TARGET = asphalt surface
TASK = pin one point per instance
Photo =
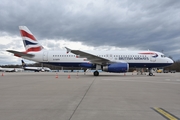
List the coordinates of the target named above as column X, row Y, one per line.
column 68, row 96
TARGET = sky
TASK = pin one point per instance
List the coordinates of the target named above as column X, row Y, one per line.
column 91, row 25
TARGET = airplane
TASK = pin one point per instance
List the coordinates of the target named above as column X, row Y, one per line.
column 108, row 61
column 10, row 69
column 35, row 69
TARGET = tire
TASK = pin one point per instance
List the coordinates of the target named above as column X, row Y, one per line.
column 150, row 74
column 96, row 73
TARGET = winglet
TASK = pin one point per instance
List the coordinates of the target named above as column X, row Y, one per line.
column 68, row 50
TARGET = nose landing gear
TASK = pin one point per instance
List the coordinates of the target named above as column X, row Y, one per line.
column 151, row 72
column 96, row 73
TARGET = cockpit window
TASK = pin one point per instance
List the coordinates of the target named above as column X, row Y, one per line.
column 163, row 56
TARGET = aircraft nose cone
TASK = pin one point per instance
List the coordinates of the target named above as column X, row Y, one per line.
column 170, row 61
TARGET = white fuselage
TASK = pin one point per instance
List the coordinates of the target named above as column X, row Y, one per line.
column 10, row 69
column 37, row 69
column 133, row 58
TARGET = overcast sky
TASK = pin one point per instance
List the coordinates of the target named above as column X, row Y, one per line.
column 92, row 24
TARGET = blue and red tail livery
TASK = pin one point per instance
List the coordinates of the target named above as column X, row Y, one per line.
column 30, row 42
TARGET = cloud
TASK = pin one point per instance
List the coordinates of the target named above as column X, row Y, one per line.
column 140, row 24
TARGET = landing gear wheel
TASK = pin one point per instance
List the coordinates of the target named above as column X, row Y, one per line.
column 150, row 74
column 96, row 73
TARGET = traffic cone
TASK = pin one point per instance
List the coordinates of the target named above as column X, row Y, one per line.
column 2, row 74
column 56, row 75
column 69, row 77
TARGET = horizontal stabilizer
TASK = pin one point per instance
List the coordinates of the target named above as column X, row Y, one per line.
column 19, row 54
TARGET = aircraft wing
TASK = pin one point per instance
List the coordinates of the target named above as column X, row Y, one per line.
column 19, row 54
column 90, row 57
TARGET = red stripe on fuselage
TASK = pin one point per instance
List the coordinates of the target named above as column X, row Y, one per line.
column 148, row 53
column 25, row 34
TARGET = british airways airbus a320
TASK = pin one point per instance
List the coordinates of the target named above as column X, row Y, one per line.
column 109, row 61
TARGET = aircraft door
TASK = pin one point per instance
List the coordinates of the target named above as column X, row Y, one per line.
column 152, row 58
column 45, row 56
column 110, row 56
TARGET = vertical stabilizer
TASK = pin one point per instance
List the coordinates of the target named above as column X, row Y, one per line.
column 23, row 64
column 30, row 42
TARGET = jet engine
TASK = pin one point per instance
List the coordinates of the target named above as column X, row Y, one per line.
column 116, row 67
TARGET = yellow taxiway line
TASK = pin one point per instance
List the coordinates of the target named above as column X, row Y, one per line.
column 165, row 114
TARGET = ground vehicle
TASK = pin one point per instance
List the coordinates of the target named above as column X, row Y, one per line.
column 172, row 71
column 159, row 70
column 166, row 71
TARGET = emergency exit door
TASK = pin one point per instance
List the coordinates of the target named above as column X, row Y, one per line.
column 45, row 56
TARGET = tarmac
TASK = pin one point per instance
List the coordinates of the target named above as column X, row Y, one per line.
column 75, row 96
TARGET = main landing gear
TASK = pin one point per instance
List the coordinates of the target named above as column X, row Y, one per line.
column 96, row 73
column 151, row 72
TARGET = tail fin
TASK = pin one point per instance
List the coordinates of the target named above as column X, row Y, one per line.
column 23, row 64
column 30, row 42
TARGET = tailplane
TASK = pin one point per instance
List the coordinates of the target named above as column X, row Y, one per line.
column 30, row 42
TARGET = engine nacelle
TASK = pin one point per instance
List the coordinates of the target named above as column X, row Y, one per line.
column 116, row 67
